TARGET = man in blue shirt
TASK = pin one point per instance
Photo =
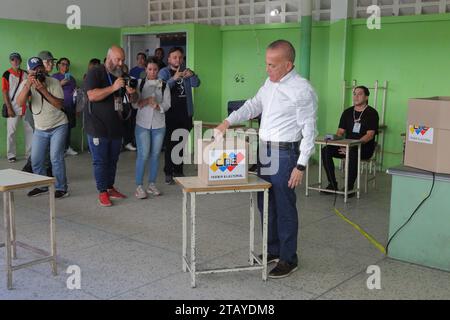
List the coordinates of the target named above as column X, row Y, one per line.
column 137, row 71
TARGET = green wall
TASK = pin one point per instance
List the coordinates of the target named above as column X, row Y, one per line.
column 29, row 38
column 244, row 56
column 410, row 52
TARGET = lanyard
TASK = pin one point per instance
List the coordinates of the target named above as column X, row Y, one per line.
column 360, row 116
column 109, row 78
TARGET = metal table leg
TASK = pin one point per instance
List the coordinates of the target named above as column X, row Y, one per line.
column 252, row 229
column 12, row 219
column 359, row 171
column 307, row 180
column 265, row 232
column 193, row 262
column 347, row 158
column 184, row 231
column 7, row 226
column 52, row 228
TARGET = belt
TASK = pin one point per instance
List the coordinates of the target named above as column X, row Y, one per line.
column 281, row 145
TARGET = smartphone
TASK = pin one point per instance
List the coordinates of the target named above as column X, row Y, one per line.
column 67, row 76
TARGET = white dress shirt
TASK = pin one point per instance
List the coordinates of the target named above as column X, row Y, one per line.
column 289, row 113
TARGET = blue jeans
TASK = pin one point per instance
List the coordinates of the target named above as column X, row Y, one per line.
column 105, row 155
column 55, row 139
column 149, row 143
column 283, row 215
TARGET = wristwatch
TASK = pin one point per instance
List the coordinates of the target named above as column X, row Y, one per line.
column 301, row 167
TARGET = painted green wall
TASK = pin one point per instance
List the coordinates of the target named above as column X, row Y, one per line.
column 29, row 38
column 208, row 57
column 244, row 56
column 412, row 53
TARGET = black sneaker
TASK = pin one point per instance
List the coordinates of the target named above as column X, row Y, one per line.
column 331, row 188
column 283, row 270
column 253, row 169
column 12, row 160
column 270, row 258
column 61, row 194
column 169, row 180
column 37, row 192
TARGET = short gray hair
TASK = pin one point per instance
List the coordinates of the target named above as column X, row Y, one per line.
column 285, row 45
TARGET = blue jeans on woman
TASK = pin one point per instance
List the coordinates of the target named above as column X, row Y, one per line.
column 149, row 143
column 55, row 139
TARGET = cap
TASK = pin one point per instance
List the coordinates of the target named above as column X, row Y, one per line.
column 46, row 55
column 15, row 55
column 34, row 62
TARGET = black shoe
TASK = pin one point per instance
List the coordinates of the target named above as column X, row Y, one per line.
column 61, row 194
column 12, row 160
column 283, row 270
column 330, row 187
column 270, row 258
column 169, row 180
column 253, row 169
column 37, row 192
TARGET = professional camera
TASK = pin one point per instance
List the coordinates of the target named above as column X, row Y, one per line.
column 40, row 76
column 130, row 82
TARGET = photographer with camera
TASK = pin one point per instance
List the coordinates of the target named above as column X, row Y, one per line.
column 51, row 124
column 106, row 89
column 180, row 80
column 129, row 113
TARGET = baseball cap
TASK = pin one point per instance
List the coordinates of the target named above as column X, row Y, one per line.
column 46, row 55
column 34, row 62
column 15, row 55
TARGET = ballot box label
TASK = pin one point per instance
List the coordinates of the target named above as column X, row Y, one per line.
column 421, row 134
column 227, row 165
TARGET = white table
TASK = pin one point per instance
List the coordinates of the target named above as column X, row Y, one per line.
column 13, row 180
column 194, row 187
column 344, row 143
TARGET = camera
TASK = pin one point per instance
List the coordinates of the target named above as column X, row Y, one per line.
column 130, row 82
column 40, row 76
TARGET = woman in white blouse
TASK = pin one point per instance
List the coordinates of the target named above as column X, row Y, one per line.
column 154, row 101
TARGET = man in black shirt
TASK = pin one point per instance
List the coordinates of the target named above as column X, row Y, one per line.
column 180, row 80
column 106, row 89
column 359, row 122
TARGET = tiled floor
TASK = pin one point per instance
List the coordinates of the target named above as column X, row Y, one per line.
column 133, row 250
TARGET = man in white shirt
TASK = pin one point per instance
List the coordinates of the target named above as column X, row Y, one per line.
column 287, row 104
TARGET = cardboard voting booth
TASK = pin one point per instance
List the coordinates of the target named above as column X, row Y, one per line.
column 223, row 162
column 428, row 134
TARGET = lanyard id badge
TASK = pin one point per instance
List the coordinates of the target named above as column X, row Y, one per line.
column 357, row 127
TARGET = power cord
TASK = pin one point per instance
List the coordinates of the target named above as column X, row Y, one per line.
column 413, row 214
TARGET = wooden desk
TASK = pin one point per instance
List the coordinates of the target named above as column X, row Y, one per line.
column 347, row 144
column 194, row 187
column 13, row 180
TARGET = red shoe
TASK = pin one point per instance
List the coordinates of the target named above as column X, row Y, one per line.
column 114, row 194
column 103, row 199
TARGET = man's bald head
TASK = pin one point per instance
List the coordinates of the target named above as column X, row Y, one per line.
column 287, row 48
column 280, row 57
column 114, row 60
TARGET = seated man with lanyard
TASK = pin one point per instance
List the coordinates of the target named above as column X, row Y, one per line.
column 359, row 122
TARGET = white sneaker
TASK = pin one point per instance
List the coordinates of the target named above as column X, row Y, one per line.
column 130, row 147
column 71, row 152
column 153, row 190
column 140, row 193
